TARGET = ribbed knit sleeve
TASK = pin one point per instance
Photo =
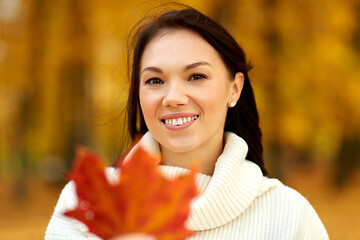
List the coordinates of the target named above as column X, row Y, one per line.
column 63, row 228
column 280, row 213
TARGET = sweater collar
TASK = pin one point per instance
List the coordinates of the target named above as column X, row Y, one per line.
column 223, row 197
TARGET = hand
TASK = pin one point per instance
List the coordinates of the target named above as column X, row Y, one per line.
column 135, row 236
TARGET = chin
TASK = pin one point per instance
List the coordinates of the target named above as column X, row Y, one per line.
column 179, row 146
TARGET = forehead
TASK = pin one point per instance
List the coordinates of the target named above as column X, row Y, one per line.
column 178, row 46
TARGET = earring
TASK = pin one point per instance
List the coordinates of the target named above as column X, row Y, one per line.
column 232, row 104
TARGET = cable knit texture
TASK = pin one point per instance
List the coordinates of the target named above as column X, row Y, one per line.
column 237, row 202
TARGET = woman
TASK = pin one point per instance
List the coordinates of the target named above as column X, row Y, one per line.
column 191, row 97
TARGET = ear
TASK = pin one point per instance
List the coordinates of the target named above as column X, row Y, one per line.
column 236, row 88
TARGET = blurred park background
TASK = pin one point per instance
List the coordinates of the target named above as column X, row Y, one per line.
column 63, row 83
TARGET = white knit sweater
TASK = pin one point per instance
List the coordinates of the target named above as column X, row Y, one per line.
column 237, row 202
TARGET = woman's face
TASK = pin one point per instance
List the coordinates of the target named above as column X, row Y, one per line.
column 185, row 90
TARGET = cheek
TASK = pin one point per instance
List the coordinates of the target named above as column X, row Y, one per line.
column 144, row 103
column 213, row 103
column 216, row 106
column 148, row 106
column 216, row 97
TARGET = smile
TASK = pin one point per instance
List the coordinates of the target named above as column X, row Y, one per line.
column 179, row 121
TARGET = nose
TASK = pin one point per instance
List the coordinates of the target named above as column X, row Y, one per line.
column 175, row 95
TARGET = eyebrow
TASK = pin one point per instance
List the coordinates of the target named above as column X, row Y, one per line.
column 194, row 65
column 153, row 69
column 186, row 68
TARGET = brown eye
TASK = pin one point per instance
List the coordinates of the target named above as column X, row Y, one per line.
column 154, row 81
column 197, row 76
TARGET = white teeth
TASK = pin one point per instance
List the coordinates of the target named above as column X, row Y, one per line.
column 180, row 121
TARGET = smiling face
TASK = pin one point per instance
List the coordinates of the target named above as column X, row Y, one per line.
column 185, row 90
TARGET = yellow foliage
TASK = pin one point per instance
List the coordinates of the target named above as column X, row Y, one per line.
column 306, row 73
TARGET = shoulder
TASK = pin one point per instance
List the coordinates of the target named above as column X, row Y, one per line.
column 288, row 209
column 283, row 193
column 287, row 199
column 280, row 200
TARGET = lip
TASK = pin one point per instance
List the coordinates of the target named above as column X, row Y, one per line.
column 175, row 116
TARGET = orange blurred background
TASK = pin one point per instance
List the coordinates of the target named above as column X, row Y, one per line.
column 63, row 83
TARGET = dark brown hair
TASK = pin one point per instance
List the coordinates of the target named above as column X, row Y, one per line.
column 243, row 119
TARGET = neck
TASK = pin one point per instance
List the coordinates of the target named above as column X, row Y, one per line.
column 207, row 158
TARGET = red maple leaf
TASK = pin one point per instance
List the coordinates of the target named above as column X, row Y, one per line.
column 142, row 201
